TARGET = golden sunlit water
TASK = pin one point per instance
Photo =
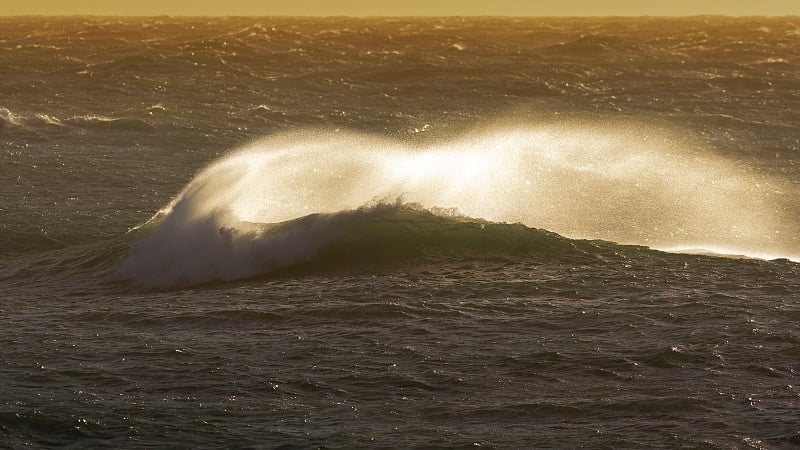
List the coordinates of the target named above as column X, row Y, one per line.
column 414, row 8
column 296, row 232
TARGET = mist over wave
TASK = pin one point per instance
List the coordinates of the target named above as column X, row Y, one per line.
column 631, row 183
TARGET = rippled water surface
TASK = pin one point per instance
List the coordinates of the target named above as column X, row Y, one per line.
column 365, row 233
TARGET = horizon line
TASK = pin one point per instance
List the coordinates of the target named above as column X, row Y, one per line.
column 438, row 16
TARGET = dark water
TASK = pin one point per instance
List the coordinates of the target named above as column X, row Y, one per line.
column 438, row 233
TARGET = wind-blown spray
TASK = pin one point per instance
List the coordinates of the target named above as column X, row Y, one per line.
column 627, row 183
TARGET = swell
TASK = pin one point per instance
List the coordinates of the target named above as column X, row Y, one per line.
column 383, row 236
column 79, row 266
column 28, row 239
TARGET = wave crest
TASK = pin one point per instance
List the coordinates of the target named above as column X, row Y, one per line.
column 33, row 122
column 284, row 200
column 182, row 252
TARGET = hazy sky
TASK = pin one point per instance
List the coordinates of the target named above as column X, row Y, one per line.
column 403, row 7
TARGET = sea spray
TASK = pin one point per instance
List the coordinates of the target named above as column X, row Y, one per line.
column 629, row 183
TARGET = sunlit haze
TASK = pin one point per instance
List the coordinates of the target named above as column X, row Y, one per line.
column 405, row 8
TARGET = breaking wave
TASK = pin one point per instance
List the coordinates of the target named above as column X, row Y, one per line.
column 376, row 236
column 289, row 199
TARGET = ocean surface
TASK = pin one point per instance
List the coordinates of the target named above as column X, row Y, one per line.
column 399, row 233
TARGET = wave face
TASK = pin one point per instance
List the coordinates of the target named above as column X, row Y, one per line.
column 283, row 200
column 183, row 252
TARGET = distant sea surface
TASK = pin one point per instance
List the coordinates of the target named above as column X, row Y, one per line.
column 405, row 232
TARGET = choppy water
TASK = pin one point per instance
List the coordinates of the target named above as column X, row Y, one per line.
column 284, row 232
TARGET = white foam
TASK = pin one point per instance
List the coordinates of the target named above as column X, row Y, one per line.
column 628, row 183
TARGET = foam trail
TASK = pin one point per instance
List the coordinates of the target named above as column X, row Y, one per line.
column 627, row 183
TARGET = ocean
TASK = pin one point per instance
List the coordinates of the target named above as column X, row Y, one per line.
column 276, row 232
